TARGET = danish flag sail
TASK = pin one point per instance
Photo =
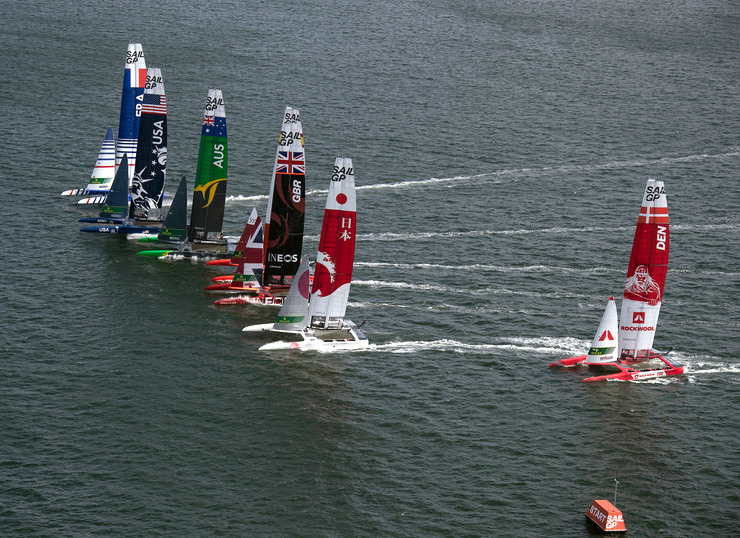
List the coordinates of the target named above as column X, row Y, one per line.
column 147, row 186
column 336, row 255
column 286, row 205
column 643, row 291
column 209, row 195
column 134, row 78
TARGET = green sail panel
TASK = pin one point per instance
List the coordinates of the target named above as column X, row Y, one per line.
column 209, row 194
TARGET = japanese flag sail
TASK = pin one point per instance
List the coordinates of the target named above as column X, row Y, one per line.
column 134, row 79
column 603, row 349
column 336, row 255
column 643, row 290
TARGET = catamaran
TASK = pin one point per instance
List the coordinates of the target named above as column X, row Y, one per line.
column 319, row 317
column 283, row 222
column 147, row 187
column 631, row 340
column 204, row 236
column 248, row 277
column 134, row 80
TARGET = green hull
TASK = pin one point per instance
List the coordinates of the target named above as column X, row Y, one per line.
column 153, row 253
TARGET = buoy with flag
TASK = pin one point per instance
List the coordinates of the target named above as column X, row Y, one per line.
column 605, row 515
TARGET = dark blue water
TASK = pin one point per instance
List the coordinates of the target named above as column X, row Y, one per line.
column 501, row 150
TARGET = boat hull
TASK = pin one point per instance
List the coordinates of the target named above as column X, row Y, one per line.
column 316, row 344
column 264, row 299
column 120, row 229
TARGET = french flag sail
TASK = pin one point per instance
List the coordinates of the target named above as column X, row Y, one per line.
column 134, row 79
column 643, row 291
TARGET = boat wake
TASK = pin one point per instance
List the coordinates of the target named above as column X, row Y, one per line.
column 529, row 345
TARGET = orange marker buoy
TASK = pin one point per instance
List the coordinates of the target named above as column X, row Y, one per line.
column 605, row 515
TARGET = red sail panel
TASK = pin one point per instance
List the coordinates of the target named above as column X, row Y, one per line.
column 646, row 273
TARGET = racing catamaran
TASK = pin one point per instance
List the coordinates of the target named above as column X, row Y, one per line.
column 134, row 79
column 204, row 236
column 319, row 318
column 643, row 293
column 283, row 222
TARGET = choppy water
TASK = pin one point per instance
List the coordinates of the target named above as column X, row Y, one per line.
column 501, row 150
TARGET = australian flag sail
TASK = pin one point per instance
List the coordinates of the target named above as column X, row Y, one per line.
column 286, row 205
column 147, row 185
column 134, row 78
column 209, row 195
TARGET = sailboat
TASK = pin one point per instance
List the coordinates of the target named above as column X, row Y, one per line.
column 283, row 221
column 204, row 236
column 319, row 317
column 643, row 293
column 144, row 198
column 114, row 215
column 134, row 79
column 147, row 184
column 286, row 206
column 248, row 259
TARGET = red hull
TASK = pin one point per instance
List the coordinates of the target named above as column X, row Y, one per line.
column 573, row 361
column 226, row 261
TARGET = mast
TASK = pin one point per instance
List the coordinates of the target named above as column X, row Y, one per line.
column 134, row 78
column 336, row 255
column 209, row 195
column 286, row 205
column 147, row 186
column 643, row 292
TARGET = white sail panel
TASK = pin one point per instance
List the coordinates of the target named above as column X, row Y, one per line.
column 336, row 255
column 604, row 346
column 292, row 315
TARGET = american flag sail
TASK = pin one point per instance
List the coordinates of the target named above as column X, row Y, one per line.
column 147, row 185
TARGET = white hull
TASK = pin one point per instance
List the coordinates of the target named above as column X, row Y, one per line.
column 264, row 327
column 311, row 343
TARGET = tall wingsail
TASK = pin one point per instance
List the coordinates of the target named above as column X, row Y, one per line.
column 336, row 255
column 134, row 78
column 643, row 291
column 147, row 186
column 209, row 195
column 286, row 205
